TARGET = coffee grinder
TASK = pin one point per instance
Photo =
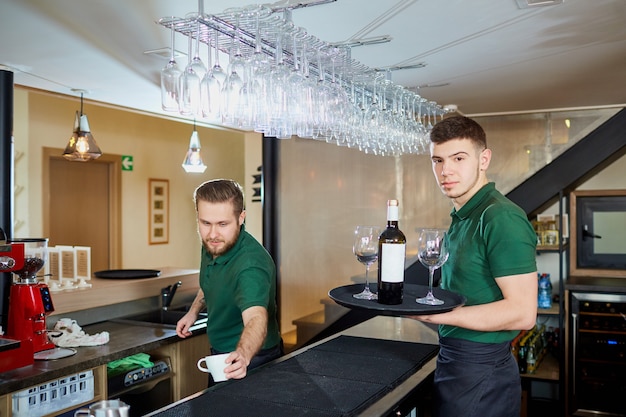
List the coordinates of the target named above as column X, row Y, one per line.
column 29, row 303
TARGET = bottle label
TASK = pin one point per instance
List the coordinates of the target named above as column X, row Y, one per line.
column 392, row 262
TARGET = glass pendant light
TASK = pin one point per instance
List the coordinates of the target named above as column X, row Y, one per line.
column 193, row 159
column 82, row 146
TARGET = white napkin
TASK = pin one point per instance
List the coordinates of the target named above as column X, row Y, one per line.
column 67, row 333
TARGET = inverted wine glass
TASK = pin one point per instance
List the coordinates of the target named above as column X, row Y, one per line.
column 365, row 249
column 432, row 251
column 210, row 90
column 170, row 75
column 218, row 71
column 231, row 89
column 189, row 99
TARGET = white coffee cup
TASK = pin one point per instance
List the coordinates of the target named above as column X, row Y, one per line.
column 215, row 365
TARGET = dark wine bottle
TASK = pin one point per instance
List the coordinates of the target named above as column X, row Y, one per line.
column 391, row 254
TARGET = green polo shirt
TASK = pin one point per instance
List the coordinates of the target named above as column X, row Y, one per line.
column 489, row 237
column 243, row 277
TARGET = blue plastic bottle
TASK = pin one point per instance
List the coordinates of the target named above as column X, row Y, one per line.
column 544, row 297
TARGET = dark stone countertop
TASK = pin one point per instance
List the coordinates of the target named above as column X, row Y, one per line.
column 125, row 339
column 596, row 284
column 387, row 328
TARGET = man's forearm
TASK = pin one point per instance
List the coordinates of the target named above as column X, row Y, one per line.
column 254, row 332
column 198, row 303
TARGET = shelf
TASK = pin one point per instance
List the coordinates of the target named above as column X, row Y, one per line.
column 547, row 248
column 552, row 311
column 548, row 369
column 552, row 248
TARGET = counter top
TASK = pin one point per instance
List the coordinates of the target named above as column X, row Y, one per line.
column 125, row 340
column 402, row 329
column 330, row 377
column 104, row 292
column 596, row 284
column 128, row 339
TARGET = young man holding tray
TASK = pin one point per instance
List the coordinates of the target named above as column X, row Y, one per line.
column 492, row 263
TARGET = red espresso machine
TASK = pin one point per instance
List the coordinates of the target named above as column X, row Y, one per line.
column 29, row 303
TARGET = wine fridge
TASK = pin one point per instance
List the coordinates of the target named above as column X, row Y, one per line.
column 597, row 348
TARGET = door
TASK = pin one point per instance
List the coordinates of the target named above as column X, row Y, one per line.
column 83, row 207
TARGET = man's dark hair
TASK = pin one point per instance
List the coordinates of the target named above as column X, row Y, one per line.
column 220, row 191
column 459, row 127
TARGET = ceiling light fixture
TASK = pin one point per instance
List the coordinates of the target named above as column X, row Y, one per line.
column 193, row 160
column 82, row 146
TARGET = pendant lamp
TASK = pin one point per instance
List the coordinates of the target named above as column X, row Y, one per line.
column 193, row 159
column 82, row 146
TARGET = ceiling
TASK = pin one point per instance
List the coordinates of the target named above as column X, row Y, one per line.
column 484, row 56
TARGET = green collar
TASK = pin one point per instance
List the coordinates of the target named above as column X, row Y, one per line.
column 473, row 202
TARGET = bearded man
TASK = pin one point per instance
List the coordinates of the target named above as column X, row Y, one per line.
column 237, row 283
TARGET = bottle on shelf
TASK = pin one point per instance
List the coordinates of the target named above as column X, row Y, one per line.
column 531, row 360
column 544, row 295
column 391, row 256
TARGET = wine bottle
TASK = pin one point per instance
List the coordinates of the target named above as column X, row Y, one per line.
column 391, row 254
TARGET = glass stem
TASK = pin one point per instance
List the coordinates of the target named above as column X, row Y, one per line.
column 367, row 281
column 172, row 42
column 431, row 273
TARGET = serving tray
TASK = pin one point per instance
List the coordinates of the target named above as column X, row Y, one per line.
column 343, row 296
column 127, row 273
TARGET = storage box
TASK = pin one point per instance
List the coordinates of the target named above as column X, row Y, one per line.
column 54, row 395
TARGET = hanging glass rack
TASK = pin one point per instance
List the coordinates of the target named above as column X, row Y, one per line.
column 366, row 94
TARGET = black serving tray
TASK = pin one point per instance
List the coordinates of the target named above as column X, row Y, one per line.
column 127, row 273
column 343, row 296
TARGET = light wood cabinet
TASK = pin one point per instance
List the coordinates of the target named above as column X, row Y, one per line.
column 184, row 355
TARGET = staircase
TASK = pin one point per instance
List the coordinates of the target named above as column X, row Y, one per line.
column 309, row 326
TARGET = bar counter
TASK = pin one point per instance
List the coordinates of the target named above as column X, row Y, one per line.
column 325, row 378
column 125, row 340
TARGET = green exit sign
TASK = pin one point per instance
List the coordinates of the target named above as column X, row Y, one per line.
column 127, row 163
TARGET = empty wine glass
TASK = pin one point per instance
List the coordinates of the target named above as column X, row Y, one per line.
column 231, row 88
column 189, row 99
column 365, row 249
column 196, row 62
column 432, row 252
column 210, row 90
column 170, row 74
column 218, row 71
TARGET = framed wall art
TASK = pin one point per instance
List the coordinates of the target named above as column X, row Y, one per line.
column 159, row 224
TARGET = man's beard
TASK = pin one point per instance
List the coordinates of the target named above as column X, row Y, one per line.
column 223, row 249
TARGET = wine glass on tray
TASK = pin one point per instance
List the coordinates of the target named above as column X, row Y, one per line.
column 432, row 252
column 365, row 249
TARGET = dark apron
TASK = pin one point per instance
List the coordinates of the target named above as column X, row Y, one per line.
column 476, row 380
